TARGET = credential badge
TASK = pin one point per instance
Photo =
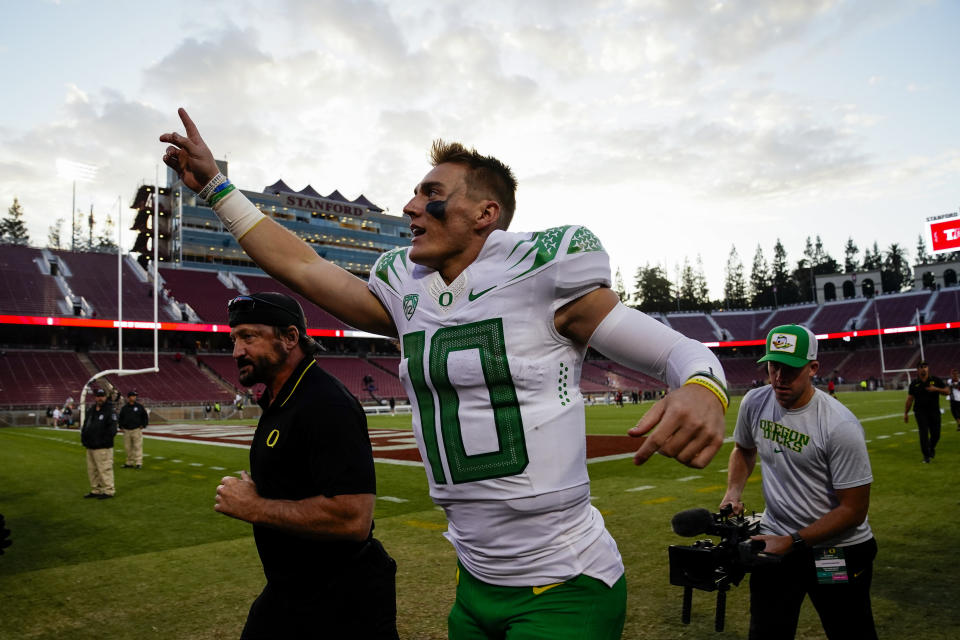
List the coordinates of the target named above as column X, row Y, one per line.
column 410, row 304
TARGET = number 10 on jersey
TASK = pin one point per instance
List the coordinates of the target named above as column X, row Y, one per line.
column 486, row 337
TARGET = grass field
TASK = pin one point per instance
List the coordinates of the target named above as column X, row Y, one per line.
column 157, row 561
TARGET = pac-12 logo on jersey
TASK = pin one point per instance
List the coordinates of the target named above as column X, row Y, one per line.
column 410, row 304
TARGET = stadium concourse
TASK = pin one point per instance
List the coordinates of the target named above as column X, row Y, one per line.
column 58, row 312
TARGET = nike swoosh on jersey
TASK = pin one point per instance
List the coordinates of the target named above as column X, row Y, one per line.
column 473, row 296
column 538, row 590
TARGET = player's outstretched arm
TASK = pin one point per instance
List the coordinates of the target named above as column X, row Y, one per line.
column 275, row 249
column 689, row 420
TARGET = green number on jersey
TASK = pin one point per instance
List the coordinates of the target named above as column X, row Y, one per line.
column 487, row 338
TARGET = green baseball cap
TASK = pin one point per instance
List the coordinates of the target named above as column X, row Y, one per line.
column 790, row 344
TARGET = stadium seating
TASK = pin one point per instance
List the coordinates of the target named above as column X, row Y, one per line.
column 946, row 308
column 834, row 316
column 41, row 377
column 742, row 325
column 898, row 310
column 865, row 363
column 178, row 380
column 942, row 358
column 201, row 290
column 95, row 278
column 24, row 289
column 351, row 371
column 799, row 314
column 693, row 325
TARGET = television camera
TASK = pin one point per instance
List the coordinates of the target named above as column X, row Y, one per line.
column 714, row 567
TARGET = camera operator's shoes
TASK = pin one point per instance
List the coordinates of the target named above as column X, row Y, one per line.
column 92, row 495
column 139, row 466
column 104, row 496
column 127, row 466
column 926, row 461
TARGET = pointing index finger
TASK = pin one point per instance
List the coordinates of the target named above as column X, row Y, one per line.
column 192, row 132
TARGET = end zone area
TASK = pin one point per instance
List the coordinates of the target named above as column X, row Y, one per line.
column 391, row 446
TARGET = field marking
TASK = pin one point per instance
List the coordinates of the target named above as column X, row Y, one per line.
column 688, row 478
column 616, row 456
column 711, row 488
column 660, row 500
column 643, row 488
column 392, row 499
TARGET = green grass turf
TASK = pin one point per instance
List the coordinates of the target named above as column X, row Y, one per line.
column 157, row 561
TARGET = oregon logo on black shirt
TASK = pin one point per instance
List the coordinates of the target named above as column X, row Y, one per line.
column 273, row 437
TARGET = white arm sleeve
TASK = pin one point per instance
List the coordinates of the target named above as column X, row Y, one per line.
column 636, row 340
column 237, row 213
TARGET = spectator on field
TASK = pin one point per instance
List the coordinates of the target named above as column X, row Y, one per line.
column 924, row 396
column 816, row 484
column 133, row 419
column 207, row 408
column 393, row 406
column 954, row 385
column 216, row 410
column 97, row 433
column 56, row 416
column 66, row 416
column 311, row 490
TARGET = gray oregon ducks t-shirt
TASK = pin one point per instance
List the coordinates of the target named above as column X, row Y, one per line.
column 806, row 455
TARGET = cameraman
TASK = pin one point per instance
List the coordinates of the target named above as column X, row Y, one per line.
column 816, row 485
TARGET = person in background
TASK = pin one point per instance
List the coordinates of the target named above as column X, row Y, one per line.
column 924, row 396
column 96, row 434
column 133, row 419
column 954, row 385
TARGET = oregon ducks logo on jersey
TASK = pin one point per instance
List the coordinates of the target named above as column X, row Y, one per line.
column 410, row 304
column 273, row 437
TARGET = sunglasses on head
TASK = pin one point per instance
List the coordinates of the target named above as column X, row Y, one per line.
column 248, row 303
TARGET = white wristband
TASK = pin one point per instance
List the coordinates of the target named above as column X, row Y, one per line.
column 237, row 213
column 215, row 182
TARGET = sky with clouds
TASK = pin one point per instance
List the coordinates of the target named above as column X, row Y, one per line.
column 672, row 128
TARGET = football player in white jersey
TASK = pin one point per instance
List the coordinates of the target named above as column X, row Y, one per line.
column 494, row 326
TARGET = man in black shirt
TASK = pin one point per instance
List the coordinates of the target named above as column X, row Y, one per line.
column 924, row 396
column 311, row 489
column 133, row 420
column 96, row 434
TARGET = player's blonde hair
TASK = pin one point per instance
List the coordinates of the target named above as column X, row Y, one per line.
column 486, row 176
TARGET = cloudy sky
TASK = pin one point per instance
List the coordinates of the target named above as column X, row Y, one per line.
column 672, row 128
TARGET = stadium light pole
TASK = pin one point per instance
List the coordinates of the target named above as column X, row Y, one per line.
column 75, row 171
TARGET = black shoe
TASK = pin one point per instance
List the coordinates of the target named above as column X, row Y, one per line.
column 926, row 461
column 92, row 495
column 139, row 466
column 104, row 496
column 127, row 466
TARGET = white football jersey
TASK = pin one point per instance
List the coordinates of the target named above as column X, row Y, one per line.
column 495, row 392
column 494, row 388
